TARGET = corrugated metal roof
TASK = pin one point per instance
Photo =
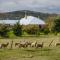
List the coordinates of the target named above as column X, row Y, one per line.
column 12, row 22
column 31, row 20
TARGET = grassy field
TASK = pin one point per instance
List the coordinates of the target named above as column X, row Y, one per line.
column 46, row 53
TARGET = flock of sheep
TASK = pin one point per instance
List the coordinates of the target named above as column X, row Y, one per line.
column 25, row 44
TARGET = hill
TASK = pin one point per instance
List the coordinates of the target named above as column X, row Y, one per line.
column 20, row 14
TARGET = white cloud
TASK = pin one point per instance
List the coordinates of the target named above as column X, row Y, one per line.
column 37, row 5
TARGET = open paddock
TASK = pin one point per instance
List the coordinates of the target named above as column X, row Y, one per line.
column 46, row 53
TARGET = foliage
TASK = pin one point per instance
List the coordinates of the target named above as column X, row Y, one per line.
column 56, row 27
column 10, row 34
column 50, row 23
column 4, row 30
column 46, row 31
column 17, row 29
column 31, row 29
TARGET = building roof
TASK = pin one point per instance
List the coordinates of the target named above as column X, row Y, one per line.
column 11, row 22
column 24, row 21
column 31, row 20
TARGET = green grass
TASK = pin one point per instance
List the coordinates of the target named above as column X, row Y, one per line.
column 46, row 53
column 30, row 54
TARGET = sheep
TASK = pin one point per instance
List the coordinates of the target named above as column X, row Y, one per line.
column 34, row 44
column 28, row 43
column 39, row 45
column 4, row 45
column 51, row 43
column 16, row 44
column 23, row 44
column 57, row 44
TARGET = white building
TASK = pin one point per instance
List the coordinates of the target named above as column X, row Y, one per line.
column 24, row 21
column 31, row 20
column 11, row 22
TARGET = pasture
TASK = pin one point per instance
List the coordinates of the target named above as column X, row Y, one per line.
column 32, row 53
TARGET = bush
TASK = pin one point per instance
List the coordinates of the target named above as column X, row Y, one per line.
column 46, row 31
column 10, row 34
column 17, row 29
column 4, row 29
column 31, row 29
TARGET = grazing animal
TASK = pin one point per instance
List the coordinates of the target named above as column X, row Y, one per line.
column 23, row 44
column 28, row 43
column 16, row 44
column 4, row 45
column 57, row 44
column 51, row 43
column 39, row 45
column 34, row 44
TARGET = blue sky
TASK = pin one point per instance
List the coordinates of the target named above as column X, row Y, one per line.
column 51, row 6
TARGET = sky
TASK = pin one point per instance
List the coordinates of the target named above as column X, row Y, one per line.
column 47, row 6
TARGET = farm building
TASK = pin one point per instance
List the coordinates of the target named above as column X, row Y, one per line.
column 27, row 20
column 31, row 20
column 8, row 22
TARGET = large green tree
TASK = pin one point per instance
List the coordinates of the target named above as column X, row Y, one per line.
column 17, row 29
column 56, row 27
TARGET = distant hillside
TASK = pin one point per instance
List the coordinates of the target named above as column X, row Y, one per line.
column 20, row 14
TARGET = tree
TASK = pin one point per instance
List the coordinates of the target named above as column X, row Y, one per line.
column 17, row 29
column 4, row 29
column 56, row 27
column 50, row 23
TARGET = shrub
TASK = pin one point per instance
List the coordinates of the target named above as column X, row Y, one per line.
column 46, row 31
column 4, row 29
column 17, row 29
column 31, row 29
